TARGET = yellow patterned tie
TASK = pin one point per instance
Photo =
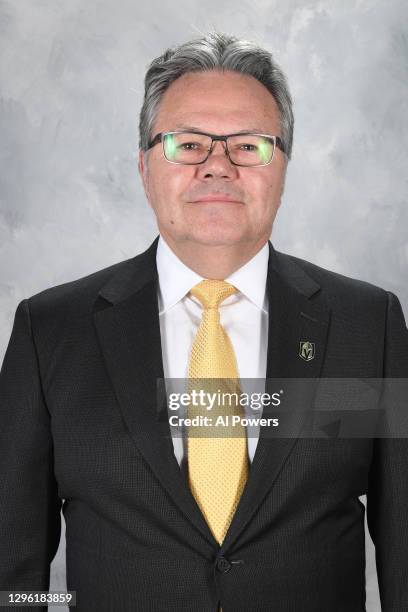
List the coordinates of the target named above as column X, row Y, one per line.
column 217, row 466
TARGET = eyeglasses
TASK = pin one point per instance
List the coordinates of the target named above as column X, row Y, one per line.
column 242, row 149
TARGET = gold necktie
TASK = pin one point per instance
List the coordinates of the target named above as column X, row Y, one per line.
column 217, row 466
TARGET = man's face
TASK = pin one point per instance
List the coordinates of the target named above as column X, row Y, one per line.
column 219, row 103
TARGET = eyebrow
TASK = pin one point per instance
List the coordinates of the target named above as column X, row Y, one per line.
column 183, row 126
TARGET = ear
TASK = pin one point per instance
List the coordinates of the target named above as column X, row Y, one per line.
column 142, row 166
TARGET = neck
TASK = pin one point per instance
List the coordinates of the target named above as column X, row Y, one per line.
column 214, row 261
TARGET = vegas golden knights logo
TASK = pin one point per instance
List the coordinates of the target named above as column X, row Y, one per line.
column 307, row 350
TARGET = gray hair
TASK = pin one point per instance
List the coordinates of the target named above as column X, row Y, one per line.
column 215, row 51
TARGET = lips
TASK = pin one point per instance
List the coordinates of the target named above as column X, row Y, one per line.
column 217, row 197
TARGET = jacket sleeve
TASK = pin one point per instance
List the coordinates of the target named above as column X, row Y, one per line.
column 30, row 517
column 387, row 496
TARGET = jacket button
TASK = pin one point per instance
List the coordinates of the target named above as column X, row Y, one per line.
column 223, row 565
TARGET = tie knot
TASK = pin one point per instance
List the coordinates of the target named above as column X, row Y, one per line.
column 212, row 292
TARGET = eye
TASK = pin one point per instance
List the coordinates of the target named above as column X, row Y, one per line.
column 247, row 147
column 189, row 146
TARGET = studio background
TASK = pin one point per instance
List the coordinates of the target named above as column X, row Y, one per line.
column 71, row 87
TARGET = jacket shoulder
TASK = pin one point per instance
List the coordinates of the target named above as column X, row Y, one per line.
column 333, row 284
column 75, row 297
column 78, row 296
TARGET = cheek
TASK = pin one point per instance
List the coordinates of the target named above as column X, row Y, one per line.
column 157, row 196
column 261, row 192
column 264, row 198
column 167, row 188
column 270, row 187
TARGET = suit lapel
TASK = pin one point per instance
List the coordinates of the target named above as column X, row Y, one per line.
column 127, row 323
column 293, row 317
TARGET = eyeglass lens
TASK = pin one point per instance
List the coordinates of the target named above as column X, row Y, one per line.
column 192, row 148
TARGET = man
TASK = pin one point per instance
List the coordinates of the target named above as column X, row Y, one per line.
column 163, row 523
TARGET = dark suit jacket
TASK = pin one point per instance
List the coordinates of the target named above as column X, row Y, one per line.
column 79, row 424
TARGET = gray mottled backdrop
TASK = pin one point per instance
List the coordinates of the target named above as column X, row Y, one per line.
column 70, row 92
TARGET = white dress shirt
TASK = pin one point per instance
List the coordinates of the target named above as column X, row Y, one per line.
column 243, row 315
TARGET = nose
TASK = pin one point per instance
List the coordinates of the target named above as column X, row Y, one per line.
column 217, row 164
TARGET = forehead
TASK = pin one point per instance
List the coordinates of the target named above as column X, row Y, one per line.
column 219, row 100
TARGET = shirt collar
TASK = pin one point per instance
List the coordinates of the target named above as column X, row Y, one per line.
column 250, row 279
column 176, row 279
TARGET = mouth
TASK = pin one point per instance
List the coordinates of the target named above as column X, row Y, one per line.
column 222, row 199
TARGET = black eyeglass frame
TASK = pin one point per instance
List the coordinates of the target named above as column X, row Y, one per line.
column 277, row 142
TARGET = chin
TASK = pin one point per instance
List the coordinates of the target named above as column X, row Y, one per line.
column 217, row 236
column 217, row 221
